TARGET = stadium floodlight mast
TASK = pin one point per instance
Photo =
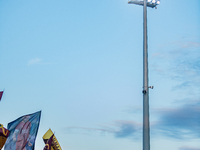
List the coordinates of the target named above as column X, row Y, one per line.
column 146, row 128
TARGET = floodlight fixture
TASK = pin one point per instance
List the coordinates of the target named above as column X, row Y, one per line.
column 150, row 3
column 158, row 2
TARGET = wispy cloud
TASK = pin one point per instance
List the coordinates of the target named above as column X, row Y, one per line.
column 180, row 62
column 34, row 61
column 188, row 44
column 188, row 148
column 88, row 129
column 180, row 123
column 119, row 129
column 37, row 61
column 127, row 129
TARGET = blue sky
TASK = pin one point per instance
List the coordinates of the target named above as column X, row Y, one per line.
column 80, row 62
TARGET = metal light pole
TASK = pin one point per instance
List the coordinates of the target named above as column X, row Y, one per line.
column 146, row 128
column 146, row 135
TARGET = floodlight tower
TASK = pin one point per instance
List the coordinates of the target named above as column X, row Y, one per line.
column 146, row 129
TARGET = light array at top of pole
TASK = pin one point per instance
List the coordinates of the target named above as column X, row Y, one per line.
column 150, row 3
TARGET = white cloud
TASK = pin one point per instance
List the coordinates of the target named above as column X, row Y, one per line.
column 34, row 61
column 188, row 148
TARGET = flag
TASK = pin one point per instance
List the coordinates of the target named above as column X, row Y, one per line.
column 1, row 94
column 3, row 135
column 23, row 132
column 48, row 144
column 54, row 145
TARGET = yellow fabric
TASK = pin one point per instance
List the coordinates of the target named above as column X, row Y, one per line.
column 54, row 145
column 2, row 141
column 3, row 138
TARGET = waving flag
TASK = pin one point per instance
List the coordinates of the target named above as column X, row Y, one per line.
column 23, row 132
column 54, row 144
column 1, row 94
column 3, row 135
column 48, row 144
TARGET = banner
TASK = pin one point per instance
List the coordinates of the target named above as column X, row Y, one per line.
column 54, row 145
column 1, row 94
column 23, row 132
column 3, row 135
column 48, row 144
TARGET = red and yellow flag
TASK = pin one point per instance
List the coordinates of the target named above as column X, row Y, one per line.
column 3, row 135
column 54, row 144
column 49, row 143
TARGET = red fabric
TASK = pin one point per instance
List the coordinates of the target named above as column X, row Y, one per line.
column 3, row 131
column 3, row 135
column 1, row 93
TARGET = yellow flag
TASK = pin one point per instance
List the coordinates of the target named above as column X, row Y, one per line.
column 3, row 135
column 54, row 145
